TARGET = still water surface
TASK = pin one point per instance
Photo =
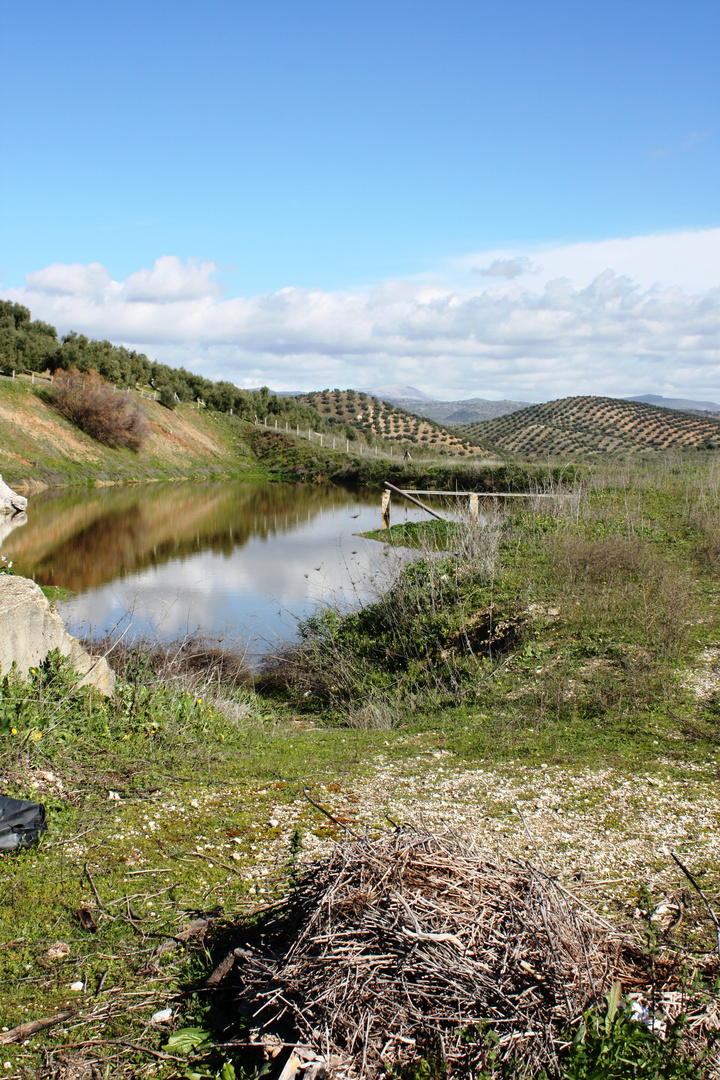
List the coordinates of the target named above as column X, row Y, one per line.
column 242, row 560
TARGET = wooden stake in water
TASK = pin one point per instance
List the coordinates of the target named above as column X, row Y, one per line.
column 385, row 510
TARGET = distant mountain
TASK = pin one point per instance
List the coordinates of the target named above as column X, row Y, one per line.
column 678, row 403
column 279, row 393
column 469, row 411
column 394, row 393
column 580, row 425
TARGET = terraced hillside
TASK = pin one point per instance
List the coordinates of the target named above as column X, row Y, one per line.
column 360, row 414
column 595, row 425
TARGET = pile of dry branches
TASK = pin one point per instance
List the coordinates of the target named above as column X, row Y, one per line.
column 413, row 945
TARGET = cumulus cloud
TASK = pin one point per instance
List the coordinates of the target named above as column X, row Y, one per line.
column 690, row 260
column 171, row 280
column 529, row 337
column 69, row 279
column 505, row 268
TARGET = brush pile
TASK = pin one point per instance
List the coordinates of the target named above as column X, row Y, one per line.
column 413, row 947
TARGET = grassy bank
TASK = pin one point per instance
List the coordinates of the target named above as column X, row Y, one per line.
column 38, row 445
column 546, row 685
column 294, row 459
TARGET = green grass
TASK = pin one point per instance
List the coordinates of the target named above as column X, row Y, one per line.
column 197, row 790
column 611, row 596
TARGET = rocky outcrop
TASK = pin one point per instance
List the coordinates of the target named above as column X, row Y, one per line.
column 10, row 501
column 30, row 629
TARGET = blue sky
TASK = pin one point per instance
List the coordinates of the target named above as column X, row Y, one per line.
column 305, row 171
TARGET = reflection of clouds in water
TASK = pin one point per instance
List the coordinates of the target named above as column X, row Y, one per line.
column 259, row 590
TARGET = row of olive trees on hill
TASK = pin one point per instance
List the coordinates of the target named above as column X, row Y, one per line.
column 28, row 344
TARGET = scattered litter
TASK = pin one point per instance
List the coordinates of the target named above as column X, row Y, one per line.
column 87, row 920
column 161, row 1017
column 114, row 796
column 21, row 823
column 58, row 951
column 77, row 985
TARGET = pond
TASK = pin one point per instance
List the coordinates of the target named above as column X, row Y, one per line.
column 244, row 561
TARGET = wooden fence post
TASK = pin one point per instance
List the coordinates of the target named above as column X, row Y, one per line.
column 385, row 510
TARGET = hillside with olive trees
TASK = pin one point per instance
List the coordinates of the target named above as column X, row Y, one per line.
column 595, row 425
column 360, row 415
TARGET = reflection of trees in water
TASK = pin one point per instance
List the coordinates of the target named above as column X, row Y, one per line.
column 88, row 540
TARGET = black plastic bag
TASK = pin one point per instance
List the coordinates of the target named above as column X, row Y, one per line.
column 21, row 823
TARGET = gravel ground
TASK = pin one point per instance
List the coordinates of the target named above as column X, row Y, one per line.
column 592, row 826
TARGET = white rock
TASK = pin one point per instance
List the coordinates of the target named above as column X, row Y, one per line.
column 78, row 985
column 10, row 501
column 29, row 630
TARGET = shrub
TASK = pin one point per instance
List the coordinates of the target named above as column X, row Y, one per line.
column 166, row 397
column 93, row 405
column 424, row 636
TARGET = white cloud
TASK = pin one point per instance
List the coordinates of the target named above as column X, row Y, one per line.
column 617, row 317
column 690, row 260
column 171, row 280
column 683, row 145
column 505, row 268
column 73, row 279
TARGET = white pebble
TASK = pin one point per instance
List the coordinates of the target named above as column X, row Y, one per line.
column 78, row 985
column 161, row 1017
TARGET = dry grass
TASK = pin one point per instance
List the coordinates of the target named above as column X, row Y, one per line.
column 205, row 666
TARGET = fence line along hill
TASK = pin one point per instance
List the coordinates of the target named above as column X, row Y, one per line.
column 357, row 414
column 595, row 425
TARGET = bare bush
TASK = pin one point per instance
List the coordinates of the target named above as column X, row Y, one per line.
column 92, row 404
column 376, row 715
column 199, row 664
